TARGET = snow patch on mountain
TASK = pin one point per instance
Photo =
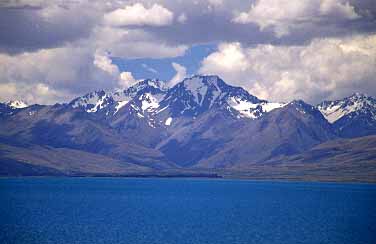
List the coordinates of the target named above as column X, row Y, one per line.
column 120, row 104
column 332, row 113
column 162, row 109
column 267, row 107
column 90, row 102
column 150, row 102
column 252, row 110
column 16, row 104
column 96, row 101
column 357, row 103
column 98, row 105
column 168, row 121
column 197, row 88
column 244, row 107
column 146, row 86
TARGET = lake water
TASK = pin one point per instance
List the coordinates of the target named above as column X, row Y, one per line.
column 179, row 211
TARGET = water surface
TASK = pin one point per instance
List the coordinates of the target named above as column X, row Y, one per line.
column 180, row 211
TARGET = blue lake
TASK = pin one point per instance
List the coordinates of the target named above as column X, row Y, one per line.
column 179, row 211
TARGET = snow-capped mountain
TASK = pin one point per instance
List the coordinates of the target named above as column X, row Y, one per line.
column 194, row 96
column 201, row 122
column 152, row 86
column 158, row 105
column 182, row 103
column 197, row 94
column 15, row 104
column 112, row 102
column 93, row 102
column 352, row 116
column 353, row 105
column 10, row 107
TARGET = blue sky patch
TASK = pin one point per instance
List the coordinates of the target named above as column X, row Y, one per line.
column 162, row 68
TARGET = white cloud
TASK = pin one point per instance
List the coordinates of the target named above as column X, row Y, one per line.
column 65, row 61
column 284, row 15
column 338, row 8
column 103, row 62
column 138, row 15
column 126, row 80
column 80, row 67
column 37, row 93
column 323, row 69
column 134, row 43
column 47, row 65
column 181, row 73
column 58, row 74
column 230, row 58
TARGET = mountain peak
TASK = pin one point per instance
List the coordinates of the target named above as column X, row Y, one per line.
column 15, row 104
column 356, row 104
column 199, row 93
column 358, row 95
column 100, row 99
column 207, row 80
column 153, row 86
column 156, row 83
column 92, row 102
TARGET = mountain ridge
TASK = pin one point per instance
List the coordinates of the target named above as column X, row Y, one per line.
column 201, row 123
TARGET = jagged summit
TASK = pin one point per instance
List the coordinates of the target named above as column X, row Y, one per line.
column 358, row 95
column 201, row 122
column 352, row 116
column 147, row 85
column 197, row 94
column 190, row 97
column 93, row 101
column 154, row 100
column 15, row 104
column 112, row 101
column 353, row 105
column 10, row 107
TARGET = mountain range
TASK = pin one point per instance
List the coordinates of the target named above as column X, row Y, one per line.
column 200, row 126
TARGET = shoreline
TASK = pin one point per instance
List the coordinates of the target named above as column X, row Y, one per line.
column 197, row 177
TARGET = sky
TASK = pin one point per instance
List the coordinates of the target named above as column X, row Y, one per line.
column 55, row 50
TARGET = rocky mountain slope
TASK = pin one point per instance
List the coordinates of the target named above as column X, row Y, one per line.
column 201, row 124
column 352, row 116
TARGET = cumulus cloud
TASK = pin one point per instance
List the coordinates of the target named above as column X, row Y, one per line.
column 230, row 57
column 38, row 93
column 181, row 73
column 46, row 45
column 134, row 43
column 282, row 16
column 34, row 25
column 75, row 67
column 68, row 71
column 126, row 80
column 103, row 62
column 323, row 69
column 138, row 15
column 75, row 71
